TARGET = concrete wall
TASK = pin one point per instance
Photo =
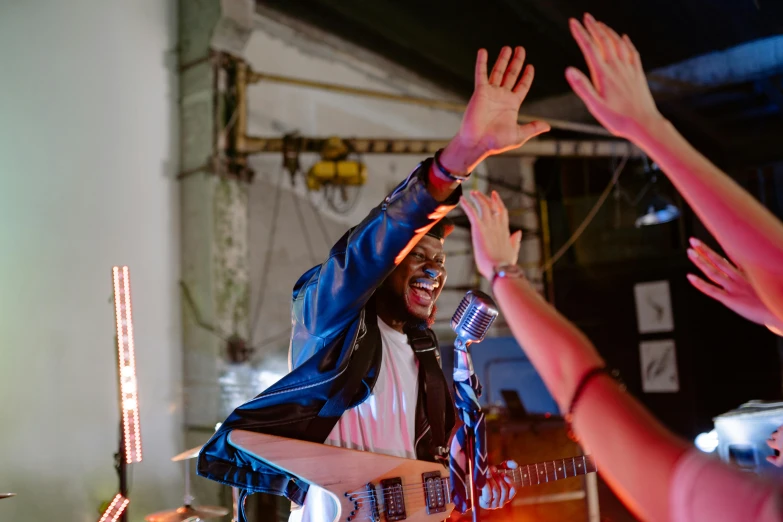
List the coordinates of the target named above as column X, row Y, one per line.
column 88, row 141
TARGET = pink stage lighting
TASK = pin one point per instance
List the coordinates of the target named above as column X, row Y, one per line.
column 115, row 509
column 129, row 402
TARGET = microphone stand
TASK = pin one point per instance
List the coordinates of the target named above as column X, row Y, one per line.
column 461, row 347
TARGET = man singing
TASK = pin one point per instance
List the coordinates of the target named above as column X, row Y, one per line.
column 364, row 373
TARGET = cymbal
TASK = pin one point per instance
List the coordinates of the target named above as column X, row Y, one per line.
column 7, row 495
column 187, row 513
column 189, row 454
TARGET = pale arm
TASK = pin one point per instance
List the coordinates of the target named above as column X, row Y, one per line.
column 636, row 455
column 634, row 452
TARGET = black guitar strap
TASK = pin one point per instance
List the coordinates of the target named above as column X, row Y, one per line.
column 440, row 408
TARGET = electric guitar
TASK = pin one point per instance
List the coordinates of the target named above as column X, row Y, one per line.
column 366, row 486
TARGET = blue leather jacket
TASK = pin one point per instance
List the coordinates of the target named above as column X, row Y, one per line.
column 335, row 349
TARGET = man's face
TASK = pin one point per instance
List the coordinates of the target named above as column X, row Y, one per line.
column 418, row 280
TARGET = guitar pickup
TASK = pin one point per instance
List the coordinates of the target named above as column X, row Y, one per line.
column 436, row 494
column 393, row 499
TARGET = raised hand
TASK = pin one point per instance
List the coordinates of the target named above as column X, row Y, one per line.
column 618, row 95
column 731, row 287
column 489, row 125
column 492, row 245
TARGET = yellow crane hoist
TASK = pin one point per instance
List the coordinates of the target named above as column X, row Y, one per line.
column 334, row 168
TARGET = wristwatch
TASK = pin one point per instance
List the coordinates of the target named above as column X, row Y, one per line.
column 507, row 270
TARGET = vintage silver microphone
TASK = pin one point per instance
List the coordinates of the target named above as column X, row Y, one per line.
column 475, row 314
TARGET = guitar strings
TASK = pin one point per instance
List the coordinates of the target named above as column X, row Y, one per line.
column 521, row 480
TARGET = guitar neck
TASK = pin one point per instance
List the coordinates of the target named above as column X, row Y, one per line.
column 549, row 471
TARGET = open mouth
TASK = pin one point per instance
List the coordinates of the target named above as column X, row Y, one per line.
column 423, row 290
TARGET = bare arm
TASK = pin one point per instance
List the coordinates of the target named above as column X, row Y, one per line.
column 635, row 453
column 618, row 96
column 327, row 297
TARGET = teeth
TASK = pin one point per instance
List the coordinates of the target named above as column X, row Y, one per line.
column 426, row 286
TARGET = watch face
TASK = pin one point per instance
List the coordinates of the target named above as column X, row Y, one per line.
column 508, row 271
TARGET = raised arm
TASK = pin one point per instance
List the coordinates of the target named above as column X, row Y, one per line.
column 649, row 468
column 636, row 454
column 619, row 97
column 327, row 297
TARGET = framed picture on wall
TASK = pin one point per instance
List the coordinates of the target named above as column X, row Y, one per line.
column 659, row 366
column 653, row 307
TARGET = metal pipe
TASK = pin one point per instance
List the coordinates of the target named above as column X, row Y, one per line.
column 241, row 141
column 547, row 250
column 254, row 77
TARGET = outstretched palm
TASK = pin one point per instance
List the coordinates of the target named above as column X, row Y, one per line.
column 490, row 121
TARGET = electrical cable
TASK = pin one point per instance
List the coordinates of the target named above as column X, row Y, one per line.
column 321, row 224
column 268, row 255
column 303, row 226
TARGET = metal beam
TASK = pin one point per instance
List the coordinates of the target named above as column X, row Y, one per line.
column 540, row 147
column 254, row 77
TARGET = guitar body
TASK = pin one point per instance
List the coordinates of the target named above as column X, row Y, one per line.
column 368, row 487
column 363, row 486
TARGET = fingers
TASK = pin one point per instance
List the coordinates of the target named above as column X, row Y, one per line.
column 510, row 464
column 716, row 259
column 613, row 42
column 498, row 71
column 707, row 289
column 503, row 487
column 523, row 85
column 490, row 493
column 772, row 442
column 589, row 49
column 499, row 206
column 512, row 73
column 709, row 269
column 584, row 89
column 603, row 42
column 499, row 488
column 776, row 461
column 483, row 204
column 481, row 68
column 516, row 242
column 470, row 210
column 635, row 59
column 531, row 130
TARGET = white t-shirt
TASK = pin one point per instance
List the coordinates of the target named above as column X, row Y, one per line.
column 385, row 423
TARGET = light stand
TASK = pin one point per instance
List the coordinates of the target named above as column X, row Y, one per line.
column 121, row 466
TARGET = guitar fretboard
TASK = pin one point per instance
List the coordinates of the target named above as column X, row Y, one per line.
column 543, row 472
